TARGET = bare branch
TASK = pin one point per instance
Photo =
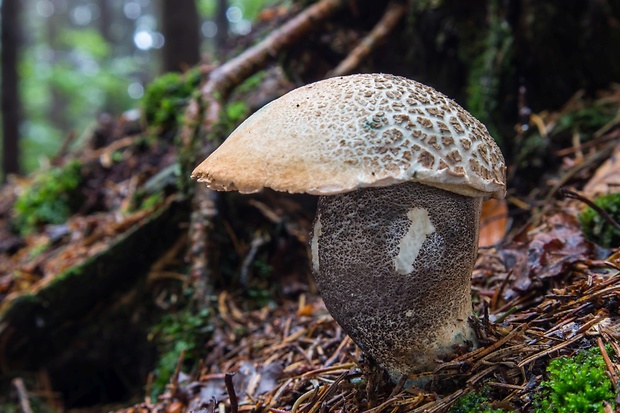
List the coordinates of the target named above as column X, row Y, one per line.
column 224, row 78
column 393, row 14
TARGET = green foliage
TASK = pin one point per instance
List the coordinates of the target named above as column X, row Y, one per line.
column 166, row 96
column 587, row 119
column 51, row 199
column 251, row 82
column 235, row 111
column 250, row 8
column 474, row 403
column 87, row 41
column 596, row 228
column 176, row 332
column 577, row 384
column 65, row 87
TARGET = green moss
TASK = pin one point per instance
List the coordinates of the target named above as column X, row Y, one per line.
column 53, row 196
column 475, row 403
column 166, row 96
column 494, row 60
column 251, row 82
column 577, row 384
column 236, row 111
column 596, row 228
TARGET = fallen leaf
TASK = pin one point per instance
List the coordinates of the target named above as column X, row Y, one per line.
column 493, row 222
column 606, row 179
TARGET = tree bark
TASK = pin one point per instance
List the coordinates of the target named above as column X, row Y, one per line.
column 221, row 37
column 11, row 107
column 180, row 27
column 105, row 19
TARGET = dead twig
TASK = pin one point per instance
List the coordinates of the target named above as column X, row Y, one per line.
column 22, row 395
column 392, row 16
column 224, row 78
column 204, row 210
column 230, row 389
column 611, row 369
column 567, row 193
column 174, row 380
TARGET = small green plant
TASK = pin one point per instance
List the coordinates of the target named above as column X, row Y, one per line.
column 577, row 384
column 166, row 96
column 475, row 403
column 51, row 199
column 176, row 332
column 596, row 227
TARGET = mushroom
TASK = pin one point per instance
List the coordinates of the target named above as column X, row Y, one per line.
column 401, row 171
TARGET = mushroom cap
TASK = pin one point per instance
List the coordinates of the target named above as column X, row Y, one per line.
column 349, row 132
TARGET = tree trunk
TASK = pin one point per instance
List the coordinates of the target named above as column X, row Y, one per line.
column 221, row 37
column 180, row 27
column 11, row 107
column 105, row 20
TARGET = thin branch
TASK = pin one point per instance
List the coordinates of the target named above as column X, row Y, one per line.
column 567, row 193
column 232, row 395
column 22, row 395
column 392, row 16
column 204, row 210
column 224, row 78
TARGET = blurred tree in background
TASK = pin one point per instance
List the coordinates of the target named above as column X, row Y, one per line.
column 180, row 27
column 11, row 104
column 81, row 58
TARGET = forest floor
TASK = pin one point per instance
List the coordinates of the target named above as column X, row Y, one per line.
column 262, row 338
column 126, row 287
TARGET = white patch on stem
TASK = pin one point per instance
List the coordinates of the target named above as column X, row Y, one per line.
column 314, row 245
column 411, row 243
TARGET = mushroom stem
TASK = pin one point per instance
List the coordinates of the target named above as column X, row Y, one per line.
column 394, row 265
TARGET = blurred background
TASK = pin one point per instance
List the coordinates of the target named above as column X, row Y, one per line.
column 66, row 62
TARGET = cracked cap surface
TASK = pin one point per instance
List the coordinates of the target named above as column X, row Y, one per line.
column 349, row 132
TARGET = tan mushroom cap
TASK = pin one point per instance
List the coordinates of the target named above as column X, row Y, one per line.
column 366, row 130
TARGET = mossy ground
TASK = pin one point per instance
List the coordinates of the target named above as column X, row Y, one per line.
column 51, row 198
column 596, row 227
column 577, row 384
column 166, row 97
